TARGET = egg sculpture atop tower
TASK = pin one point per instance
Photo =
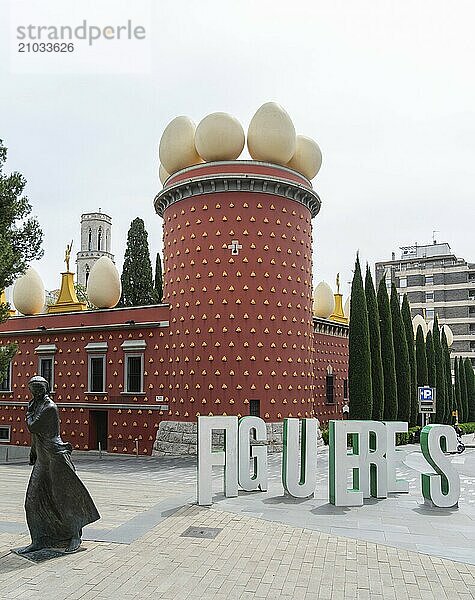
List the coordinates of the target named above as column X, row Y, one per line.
column 238, row 267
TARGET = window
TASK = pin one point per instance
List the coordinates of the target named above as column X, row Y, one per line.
column 46, row 370
column 89, row 243
column 134, row 373
column 429, row 313
column 429, row 280
column 97, row 379
column 255, row 408
column 46, row 354
column 99, row 239
column 429, row 296
column 134, row 361
column 345, row 389
column 329, row 386
column 5, row 433
column 5, row 385
column 403, row 282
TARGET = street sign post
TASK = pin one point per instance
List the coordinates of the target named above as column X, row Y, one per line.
column 426, row 396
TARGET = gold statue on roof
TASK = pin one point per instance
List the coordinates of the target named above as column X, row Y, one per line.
column 67, row 254
column 338, row 283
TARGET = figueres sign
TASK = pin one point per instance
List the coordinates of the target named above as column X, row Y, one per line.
column 363, row 459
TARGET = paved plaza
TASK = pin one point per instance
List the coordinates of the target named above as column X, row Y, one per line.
column 262, row 545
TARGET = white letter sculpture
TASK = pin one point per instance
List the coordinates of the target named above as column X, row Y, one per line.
column 394, row 456
column 300, row 482
column 207, row 458
column 252, row 455
column 442, row 488
column 366, row 460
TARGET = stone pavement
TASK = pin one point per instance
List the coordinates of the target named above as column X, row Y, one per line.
column 137, row 550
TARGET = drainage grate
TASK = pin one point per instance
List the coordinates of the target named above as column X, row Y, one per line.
column 202, row 532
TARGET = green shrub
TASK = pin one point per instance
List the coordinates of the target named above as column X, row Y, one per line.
column 410, row 437
column 325, row 435
column 467, row 428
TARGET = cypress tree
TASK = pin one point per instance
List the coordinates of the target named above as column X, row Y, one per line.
column 421, row 359
column 470, row 383
column 359, row 368
column 377, row 380
column 158, row 278
column 403, row 370
column 387, row 354
column 137, row 282
column 463, row 390
column 421, row 364
column 449, row 390
column 458, row 395
column 406, row 319
column 440, row 415
column 430, row 360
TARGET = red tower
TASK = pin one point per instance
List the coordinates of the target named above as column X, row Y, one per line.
column 238, row 278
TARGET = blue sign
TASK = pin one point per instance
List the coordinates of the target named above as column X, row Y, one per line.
column 425, row 394
column 426, row 399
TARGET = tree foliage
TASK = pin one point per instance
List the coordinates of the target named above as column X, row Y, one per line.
column 457, row 393
column 20, row 240
column 470, row 384
column 421, row 358
column 158, row 278
column 440, row 406
column 450, row 404
column 387, row 354
column 137, row 281
column 403, row 372
column 377, row 380
column 407, row 320
column 463, row 389
column 430, row 359
column 359, row 369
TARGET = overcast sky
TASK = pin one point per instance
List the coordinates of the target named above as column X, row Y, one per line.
column 386, row 88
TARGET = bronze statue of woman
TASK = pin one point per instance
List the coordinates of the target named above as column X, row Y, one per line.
column 57, row 504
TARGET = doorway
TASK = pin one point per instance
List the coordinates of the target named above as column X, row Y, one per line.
column 98, row 430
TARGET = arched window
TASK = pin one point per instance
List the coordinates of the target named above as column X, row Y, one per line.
column 99, row 238
column 87, row 270
column 89, row 244
column 107, row 241
column 329, row 386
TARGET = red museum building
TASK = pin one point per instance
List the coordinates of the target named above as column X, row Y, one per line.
column 235, row 335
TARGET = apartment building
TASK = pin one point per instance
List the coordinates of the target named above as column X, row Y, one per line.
column 436, row 282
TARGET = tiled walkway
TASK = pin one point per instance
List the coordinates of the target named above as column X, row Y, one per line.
column 146, row 506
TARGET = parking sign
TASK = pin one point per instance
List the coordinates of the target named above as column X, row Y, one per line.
column 426, row 399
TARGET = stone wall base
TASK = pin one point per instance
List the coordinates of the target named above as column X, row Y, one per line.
column 175, row 438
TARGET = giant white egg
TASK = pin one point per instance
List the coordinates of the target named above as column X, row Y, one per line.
column 307, row 158
column 29, row 293
column 162, row 174
column 323, row 300
column 103, row 284
column 448, row 334
column 271, row 135
column 177, row 145
column 219, row 136
column 419, row 320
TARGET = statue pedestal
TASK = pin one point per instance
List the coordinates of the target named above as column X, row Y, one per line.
column 67, row 300
column 338, row 314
